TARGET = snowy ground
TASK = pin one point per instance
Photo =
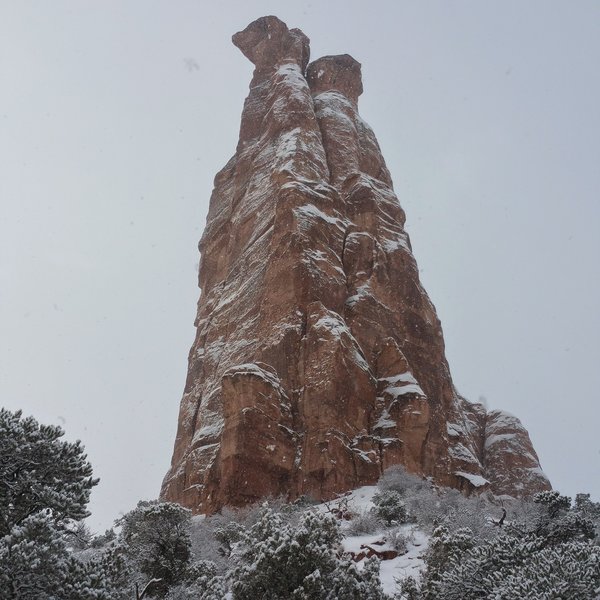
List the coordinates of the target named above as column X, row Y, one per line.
column 410, row 563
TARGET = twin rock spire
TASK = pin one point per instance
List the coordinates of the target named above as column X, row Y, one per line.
column 319, row 358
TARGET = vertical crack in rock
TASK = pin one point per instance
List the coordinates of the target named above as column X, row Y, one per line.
column 319, row 358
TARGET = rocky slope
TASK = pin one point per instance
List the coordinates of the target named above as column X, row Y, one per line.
column 319, row 358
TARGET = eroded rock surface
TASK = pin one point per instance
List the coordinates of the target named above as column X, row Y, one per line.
column 319, row 358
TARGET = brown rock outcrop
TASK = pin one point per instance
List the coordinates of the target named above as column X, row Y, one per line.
column 319, row 358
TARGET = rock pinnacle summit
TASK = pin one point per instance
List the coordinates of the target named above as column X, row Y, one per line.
column 319, row 359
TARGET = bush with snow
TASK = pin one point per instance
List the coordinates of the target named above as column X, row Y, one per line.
column 45, row 486
column 398, row 539
column 33, row 559
column 544, row 549
column 398, row 479
column 155, row 537
column 555, row 557
column 364, row 523
column 278, row 561
column 389, row 507
column 40, row 472
column 587, row 507
column 202, row 583
column 430, row 507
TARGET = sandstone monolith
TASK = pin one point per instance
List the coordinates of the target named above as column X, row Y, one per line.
column 319, row 358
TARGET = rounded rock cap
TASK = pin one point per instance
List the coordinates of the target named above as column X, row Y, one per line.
column 340, row 73
column 267, row 42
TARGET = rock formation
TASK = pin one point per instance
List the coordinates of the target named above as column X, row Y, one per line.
column 319, row 358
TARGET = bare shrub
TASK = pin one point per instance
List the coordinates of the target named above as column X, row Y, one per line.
column 474, row 513
column 523, row 511
column 425, row 508
column 398, row 479
column 215, row 537
column 399, row 539
column 364, row 523
column 429, row 508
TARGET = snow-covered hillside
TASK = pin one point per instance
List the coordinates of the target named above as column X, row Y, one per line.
column 409, row 562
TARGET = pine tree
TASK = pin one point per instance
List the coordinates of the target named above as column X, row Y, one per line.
column 389, row 507
column 103, row 577
column 156, row 539
column 285, row 561
column 40, row 472
column 554, row 558
column 33, row 559
column 45, row 486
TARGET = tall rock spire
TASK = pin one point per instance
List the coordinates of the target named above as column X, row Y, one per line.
column 319, row 358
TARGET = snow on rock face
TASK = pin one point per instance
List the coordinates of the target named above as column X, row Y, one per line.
column 475, row 480
column 511, row 462
column 319, row 358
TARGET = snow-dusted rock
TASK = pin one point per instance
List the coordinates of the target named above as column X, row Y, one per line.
column 511, row 463
column 319, row 358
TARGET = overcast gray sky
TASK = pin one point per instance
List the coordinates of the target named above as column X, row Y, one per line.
column 116, row 115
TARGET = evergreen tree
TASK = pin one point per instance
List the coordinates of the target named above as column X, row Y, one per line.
column 33, row 559
column 389, row 507
column 40, row 472
column 554, row 558
column 284, row 561
column 45, row 485
column 103, row 577
column 156, row 539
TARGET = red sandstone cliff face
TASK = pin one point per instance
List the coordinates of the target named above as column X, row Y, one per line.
column 319, row 358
